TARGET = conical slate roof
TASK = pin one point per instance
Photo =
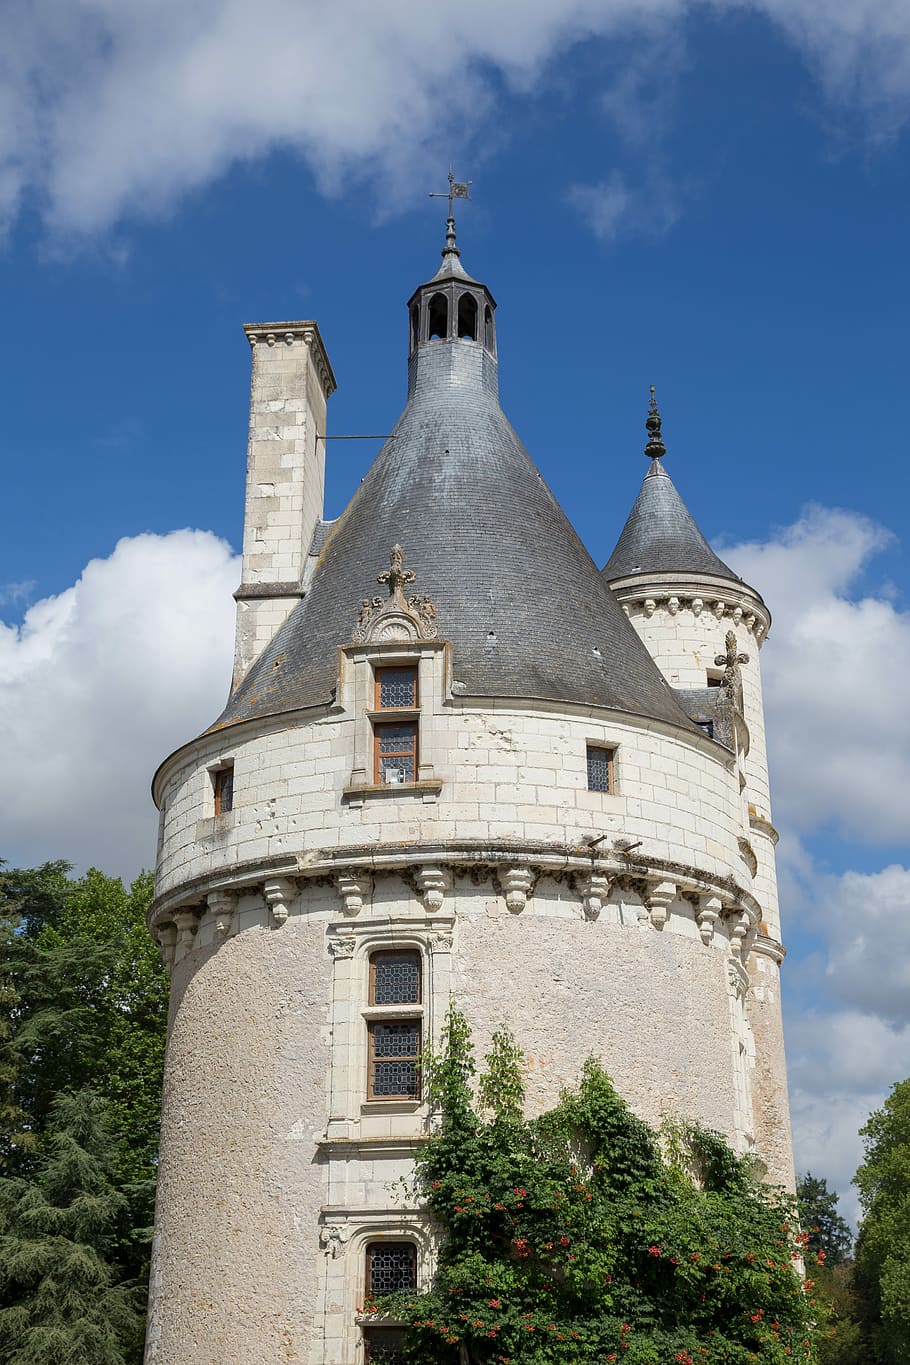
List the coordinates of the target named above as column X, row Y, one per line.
column 523, row 604
column 660, row 535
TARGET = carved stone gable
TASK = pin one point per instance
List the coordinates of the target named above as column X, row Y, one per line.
column 395, row 617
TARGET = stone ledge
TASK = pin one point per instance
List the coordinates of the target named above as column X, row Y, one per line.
column 357, row 791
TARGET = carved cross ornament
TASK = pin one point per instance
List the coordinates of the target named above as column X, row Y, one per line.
column 732, row 682
column 395, row 617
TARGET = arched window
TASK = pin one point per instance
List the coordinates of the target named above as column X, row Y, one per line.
column 467, row 317
column 489, row 339
column 415, row 325
column 439, row 318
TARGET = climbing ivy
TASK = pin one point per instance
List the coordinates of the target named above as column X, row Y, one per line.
column 579, row 1236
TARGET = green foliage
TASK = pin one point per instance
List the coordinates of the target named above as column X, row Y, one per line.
column 570, row 1237
column 62, row 1303
column 883, row 1247
column 829, row 1234
column 85, row 1010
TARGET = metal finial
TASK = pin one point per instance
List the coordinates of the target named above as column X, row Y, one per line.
column 458, row 189
column 655, row 447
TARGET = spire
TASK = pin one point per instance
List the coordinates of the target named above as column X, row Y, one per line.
column 451, row 265
column 655, row 448
column 660, row 535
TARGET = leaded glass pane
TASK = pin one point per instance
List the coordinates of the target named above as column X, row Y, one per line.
column 599, row 762
column 398, row 687
column 384, row 1345
column 396, row 979
column 391, row 1266
column 393, row 739
column 395, row 770
column 399, row 1039
column 395, row 1080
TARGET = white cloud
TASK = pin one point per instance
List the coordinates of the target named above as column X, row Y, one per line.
column 842, row 1065
column 98, row 685
column 834, row 675
column 110, row 108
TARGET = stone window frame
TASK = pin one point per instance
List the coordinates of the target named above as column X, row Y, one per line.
column 223, row 789
column 612, row 751
column 361, row 666
column 352, row 946
column 409, row 1011
column 346, row 1280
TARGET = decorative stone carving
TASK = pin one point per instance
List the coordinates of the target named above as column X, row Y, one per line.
column 595, row 890
column 738, row 936
column 395, row 617
column 738, row 978
column 718, row 609
column 748, row 854
column 353, row 891
column 222, row 905
column 431, row 884
column 708, row 913
column 441, row 943
column 333, row 1238
column 187, row 922
column 673, row 606
column 649, row 606
column 167, row 943
column 737, row 614
column 342, row 947
column 732, row 682
column 660, row 897
column 697, row 606
column 278, row 893
column 517, row 883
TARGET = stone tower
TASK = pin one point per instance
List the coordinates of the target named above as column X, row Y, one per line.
column 457, row 759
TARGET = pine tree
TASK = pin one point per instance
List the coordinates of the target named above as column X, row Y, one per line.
column 63, row 1302
column 828, row 1232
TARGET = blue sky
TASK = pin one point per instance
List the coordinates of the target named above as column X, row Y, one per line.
column 710, row 198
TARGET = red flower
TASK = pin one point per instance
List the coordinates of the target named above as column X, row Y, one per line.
column 495, row 1303
column 653, row 1251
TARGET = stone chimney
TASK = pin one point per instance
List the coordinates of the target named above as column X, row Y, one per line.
column 292, row 381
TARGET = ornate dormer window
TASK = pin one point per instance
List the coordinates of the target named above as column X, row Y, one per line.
column 397, row 638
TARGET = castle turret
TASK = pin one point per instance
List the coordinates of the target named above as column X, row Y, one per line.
column 455, row 769
column 704, row 628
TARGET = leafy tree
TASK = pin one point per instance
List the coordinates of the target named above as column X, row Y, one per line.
column 62, row 1303
column 86, row 1008
column 829, row 1234
column 883, row 1246
column 573, row 1236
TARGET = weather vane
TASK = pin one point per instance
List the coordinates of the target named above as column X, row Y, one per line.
column 458, row 189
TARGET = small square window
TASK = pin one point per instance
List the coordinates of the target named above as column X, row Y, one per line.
column 396, row 688
column 383, row 1345
column 390, row 1266
column 715, row 679
column 223, row 783
column 393, row 1060
column 395, row 978
column 600, row 769
column 396, row 752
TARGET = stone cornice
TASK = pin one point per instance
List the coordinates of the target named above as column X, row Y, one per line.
column 506, row 862
column 288, row 334
column 702, row 594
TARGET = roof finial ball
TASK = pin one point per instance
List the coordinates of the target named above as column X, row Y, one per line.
column 655, row 447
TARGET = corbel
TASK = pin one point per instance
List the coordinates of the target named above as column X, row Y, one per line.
column 353, row 890
column 707, row 914
column 517, row 884
column 222, row 904
column 595, row 890
column 431, row 884
column 187, row 922
column 166, row 937
column 659, row 899
column 278, row 893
